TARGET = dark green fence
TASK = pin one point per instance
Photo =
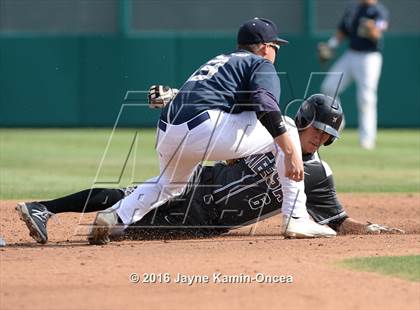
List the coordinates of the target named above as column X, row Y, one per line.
column 81, row 77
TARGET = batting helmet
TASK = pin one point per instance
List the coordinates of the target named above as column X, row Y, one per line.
column 322, row 112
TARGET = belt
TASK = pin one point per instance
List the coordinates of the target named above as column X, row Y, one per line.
column 191, row 124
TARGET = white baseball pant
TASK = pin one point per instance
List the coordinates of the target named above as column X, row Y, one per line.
column 223, row 136
column 365, row 69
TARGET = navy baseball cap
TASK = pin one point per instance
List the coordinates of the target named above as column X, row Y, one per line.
column 259, row 30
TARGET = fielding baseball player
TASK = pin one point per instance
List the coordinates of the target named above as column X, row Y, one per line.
column 363, row 24
column 228, row 108
column 223, row 197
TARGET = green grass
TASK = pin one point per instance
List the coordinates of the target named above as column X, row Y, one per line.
column 405, row 267
column 394, row 166
column 45, row 163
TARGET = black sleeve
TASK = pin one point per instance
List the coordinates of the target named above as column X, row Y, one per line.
column 322, row 201
column 273, row 121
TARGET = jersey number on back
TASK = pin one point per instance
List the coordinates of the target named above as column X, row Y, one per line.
column 209, row 69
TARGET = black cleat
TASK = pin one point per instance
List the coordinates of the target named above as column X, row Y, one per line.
column 35, row 216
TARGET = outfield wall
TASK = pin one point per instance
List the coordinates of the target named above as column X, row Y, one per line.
column 80, row 78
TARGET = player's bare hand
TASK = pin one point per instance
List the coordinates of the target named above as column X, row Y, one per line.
column 294, row 167
column 379, row 228
column 160, row 95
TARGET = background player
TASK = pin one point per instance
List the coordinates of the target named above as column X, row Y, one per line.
column 363, row 25
column 214, row 117
column 223, row 197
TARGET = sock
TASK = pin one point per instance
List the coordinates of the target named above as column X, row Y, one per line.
column 99, row 199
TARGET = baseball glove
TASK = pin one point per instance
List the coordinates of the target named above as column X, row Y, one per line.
column 325, row 53
column 378, row 229
column 160, row 95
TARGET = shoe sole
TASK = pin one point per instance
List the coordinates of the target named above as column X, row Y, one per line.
column 99, row 235
column 297, row 236
column 34, row 232
column 293, row 235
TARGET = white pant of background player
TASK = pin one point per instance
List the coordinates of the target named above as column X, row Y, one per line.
column 223, row 136
column 365, row 69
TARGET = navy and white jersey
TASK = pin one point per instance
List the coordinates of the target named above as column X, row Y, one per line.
column 235, row 82
column 354, row 16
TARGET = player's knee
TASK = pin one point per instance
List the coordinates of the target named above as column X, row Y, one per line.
column 367, row 98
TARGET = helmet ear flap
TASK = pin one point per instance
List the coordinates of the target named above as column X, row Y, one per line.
column 330, row 140
column 304, row 115
column 300, row 121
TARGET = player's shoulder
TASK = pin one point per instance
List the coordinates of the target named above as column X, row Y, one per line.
column 381, row 9
column 377, row 9
column 250, row 58
column 317, row 161
column 327, row 168
column 325, row 165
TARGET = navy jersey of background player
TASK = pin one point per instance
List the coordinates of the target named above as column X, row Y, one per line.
column 352, row 19
column 235, row 82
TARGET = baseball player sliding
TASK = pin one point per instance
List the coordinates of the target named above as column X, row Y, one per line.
column 363, row 24
column 228, row 108
column 223, row 197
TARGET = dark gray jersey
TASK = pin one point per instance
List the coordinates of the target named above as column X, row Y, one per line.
column 252, row 188
column 321, row 197
column 223, row 197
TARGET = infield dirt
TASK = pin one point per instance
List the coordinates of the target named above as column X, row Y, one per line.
column 67, row 273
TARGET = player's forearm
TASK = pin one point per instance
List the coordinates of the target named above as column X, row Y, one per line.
column 340, row 36
column 285, row 142
column 352, row 226
column 336, row 40
column 375, row 34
